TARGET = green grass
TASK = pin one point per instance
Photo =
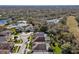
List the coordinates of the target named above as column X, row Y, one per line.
column 29, row 46
column 30, row 38
column 66, row 45
column 56, row 49
column 16, row 34
column 26, row 45
column 19, row 41
column 16, row 49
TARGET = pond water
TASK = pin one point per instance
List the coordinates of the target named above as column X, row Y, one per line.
column 2, row 22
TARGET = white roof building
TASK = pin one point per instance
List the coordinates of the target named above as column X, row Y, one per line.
column 22, row 23
column 18, row 24
column 12, row 26
column 55, row 21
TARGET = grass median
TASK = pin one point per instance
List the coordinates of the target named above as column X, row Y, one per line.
column 19, row 41
column 16, row 49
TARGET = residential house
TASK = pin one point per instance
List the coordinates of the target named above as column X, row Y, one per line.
column 5, row 36
column 39, row 45
column 21, row 26
column 53, row 21
column 5, row 48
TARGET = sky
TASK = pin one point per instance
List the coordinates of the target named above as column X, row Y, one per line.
column 39, row 2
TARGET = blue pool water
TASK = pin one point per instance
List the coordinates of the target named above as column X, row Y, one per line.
column 2, row 22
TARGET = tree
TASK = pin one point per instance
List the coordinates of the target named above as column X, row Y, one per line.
column 43, row 29
column 56, row 48
column 13, row 30
column 77, row 18
column 67, row 51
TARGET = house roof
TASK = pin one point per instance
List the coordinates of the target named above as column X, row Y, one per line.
column 5, row 48
column 40, row 34
column 39, row 37
column 18, row 24
column 4, row 35
column 53, row 21
column 40, row 47
column 6, row 32
column 2, row 38
column 39, row 43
